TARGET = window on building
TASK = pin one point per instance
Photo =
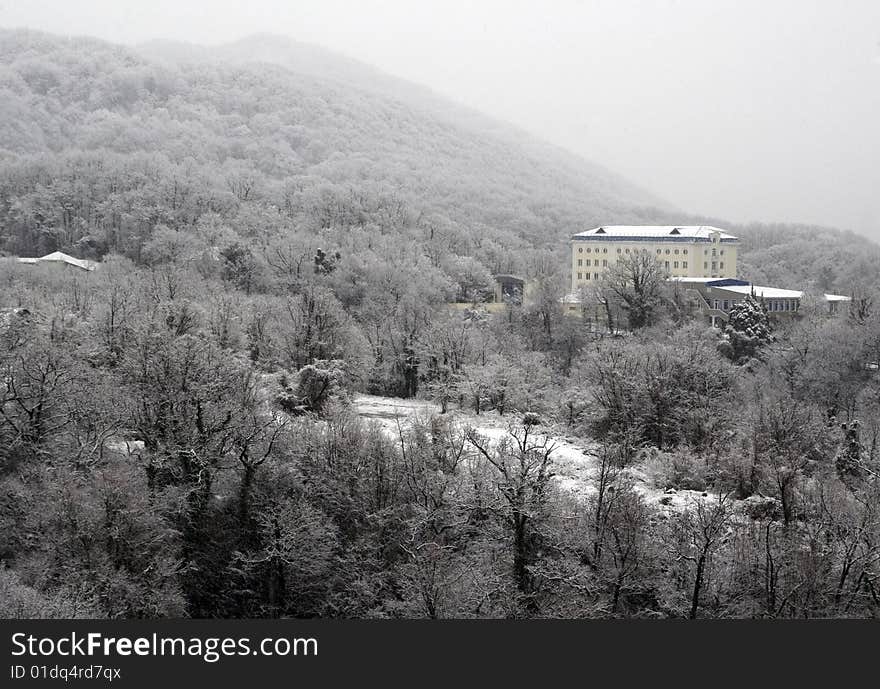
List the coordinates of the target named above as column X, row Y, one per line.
column 589, row 249
column 722, row 252
column 667, row 251
column 675, row 264
column 667, row 264
column 627, row 250
column 604, row 263
column 714, row 252
column 580, row 262
column 722, row 265
column 685, row 252
column 618, row 251
column 595, row 276
column 675, row 251
column 596, row 262
column 725, row 304
column 581, row 276
column 684, row 264
column 604, row 251
column 580, row 249
column 714, row 265
column 705, row 265
column 659, row 251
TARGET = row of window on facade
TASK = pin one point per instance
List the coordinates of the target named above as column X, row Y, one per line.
column 772, row 305
column 675, row 264
column 644, row 251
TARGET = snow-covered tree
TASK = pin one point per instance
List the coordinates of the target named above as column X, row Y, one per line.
column 747, row 331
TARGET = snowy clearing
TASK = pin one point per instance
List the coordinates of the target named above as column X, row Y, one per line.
column 574, row 459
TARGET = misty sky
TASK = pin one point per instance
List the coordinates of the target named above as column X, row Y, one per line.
column 744, row 109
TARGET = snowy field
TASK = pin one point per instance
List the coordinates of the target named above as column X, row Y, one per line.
column 574, row 459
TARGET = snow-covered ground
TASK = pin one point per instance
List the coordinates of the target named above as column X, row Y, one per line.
column 574, row 459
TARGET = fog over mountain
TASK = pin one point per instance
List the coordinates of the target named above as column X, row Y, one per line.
column 744, row 110
column 330, row 67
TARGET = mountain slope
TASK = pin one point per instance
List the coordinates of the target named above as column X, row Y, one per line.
column 100, row 145
column 326, row 66
column 98, row 141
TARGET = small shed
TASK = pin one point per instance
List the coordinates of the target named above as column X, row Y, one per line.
column 509, row 289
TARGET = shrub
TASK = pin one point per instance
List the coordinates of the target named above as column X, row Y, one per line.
column 679, row 470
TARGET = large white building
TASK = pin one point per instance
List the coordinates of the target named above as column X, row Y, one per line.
column 682, row 250
column 699, row 263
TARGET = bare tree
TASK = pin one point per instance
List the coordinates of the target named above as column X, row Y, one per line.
column 636, row 282
column 701, row 529
column 522, row 465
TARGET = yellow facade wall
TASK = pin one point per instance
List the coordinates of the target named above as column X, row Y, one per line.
column 594, row 257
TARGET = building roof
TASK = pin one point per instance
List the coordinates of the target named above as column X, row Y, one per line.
column 763, row 292
column 505, row 277
column 710, row 282
column 681, row 233
column 70, row 260
column 60, row 257
column 745, row 287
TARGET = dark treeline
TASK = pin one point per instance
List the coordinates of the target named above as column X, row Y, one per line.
column 177, row 428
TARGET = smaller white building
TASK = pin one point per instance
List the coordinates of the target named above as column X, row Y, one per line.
column 58, row 257
column 715, row 297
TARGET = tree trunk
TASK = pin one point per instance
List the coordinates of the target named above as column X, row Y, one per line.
column 698, row 584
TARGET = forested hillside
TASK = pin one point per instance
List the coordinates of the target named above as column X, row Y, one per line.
column 808, row 257
column 180, row 432
column 797, row 256
column 129, row 145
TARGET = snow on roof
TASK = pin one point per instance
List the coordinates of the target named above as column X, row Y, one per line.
column 764, row 292
column 681, row 232
column 60, row 257
column 745, row 287
column 709, row 282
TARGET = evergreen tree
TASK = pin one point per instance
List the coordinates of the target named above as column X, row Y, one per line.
column 747, row 331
